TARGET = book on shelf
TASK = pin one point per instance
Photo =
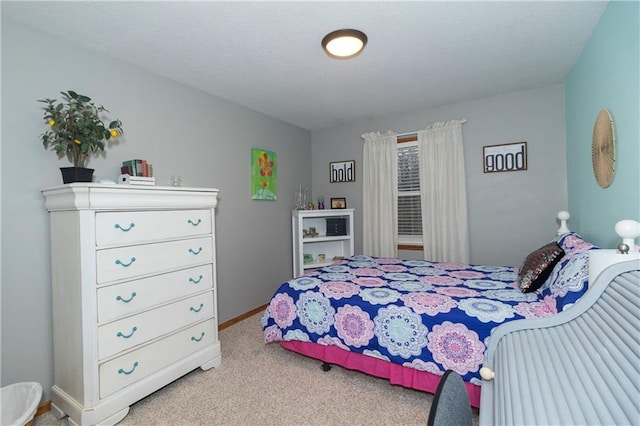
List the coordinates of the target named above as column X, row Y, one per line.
column 130, row 165
column 137, row 167
column 136, row 180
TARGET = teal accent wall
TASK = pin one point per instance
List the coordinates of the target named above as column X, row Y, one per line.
column 606, row 75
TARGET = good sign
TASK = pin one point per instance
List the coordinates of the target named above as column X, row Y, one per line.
column 505, row 158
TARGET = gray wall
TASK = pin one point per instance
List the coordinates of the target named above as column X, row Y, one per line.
column 181, row 131
column 510, row 213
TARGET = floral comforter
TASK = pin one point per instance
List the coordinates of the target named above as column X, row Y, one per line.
column 424, row 315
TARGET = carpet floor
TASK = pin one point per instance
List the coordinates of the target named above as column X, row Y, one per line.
column 260, row 384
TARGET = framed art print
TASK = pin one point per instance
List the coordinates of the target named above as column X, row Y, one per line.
column 338, row 203
column 342, row 171
column 508, row 157
column 264, row 174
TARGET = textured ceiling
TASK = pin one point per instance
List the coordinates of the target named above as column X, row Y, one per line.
column 267, row 55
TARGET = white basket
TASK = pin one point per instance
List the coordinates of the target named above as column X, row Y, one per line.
column 19, row 403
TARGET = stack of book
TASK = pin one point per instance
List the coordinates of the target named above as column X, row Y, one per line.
column 137, row 172
column 137, row 168
column 136, row 180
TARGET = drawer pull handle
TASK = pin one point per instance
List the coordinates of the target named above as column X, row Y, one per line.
column 191, row 280
column 120, row 298
column 126, row 265
column 126, row 336
column 131, row 225
column 197, row 339
column 198, row 309
column 135, row 365
column 196, row 223
column 192, row 251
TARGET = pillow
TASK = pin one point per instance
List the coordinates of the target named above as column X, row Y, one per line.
column 572, row 243
column 569, row 280
column 537, row 266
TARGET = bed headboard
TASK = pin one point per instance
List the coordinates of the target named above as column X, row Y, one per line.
column 628, row 231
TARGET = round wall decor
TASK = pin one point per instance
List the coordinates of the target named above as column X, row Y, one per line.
column 603, row 149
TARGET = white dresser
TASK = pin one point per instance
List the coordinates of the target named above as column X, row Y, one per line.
column 134, row 293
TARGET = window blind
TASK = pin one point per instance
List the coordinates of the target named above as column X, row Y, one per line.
column 409, row 210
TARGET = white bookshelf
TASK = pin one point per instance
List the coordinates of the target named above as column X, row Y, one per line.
column 316, row 245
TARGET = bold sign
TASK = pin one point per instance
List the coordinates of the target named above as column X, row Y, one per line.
column 509, row 157
column 344, row 171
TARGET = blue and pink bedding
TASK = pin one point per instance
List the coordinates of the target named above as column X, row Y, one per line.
column 411, row 320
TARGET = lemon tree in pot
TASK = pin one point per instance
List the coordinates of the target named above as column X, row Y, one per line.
column 76, row 131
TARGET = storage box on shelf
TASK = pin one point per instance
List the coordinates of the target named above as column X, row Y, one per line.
column 320, row 237
column 134, row 294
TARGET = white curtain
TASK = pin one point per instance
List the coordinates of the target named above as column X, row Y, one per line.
column 379, row 194
column 443, row 192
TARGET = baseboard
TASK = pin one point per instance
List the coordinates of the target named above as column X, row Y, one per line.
column 43, row 409
column 239, row 318
column 46, row 407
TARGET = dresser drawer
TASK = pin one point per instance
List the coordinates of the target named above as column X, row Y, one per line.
column 129, row 262
column 138, row 364
column 117, row 301
column 128, row 332
column 121, row 228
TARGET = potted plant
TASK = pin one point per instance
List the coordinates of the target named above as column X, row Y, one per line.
column 75, row 131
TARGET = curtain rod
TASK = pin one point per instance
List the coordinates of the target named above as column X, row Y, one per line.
column 415, row 132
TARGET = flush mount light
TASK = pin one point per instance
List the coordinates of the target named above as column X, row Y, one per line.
column 344, row 44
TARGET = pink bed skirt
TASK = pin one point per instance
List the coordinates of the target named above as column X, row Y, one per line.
column 397, row 374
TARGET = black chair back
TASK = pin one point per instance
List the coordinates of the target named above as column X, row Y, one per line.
column 450, row 406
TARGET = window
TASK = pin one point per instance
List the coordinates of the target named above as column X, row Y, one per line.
column 409, row 210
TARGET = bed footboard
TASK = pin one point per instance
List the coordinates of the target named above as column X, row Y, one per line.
column 578, row 367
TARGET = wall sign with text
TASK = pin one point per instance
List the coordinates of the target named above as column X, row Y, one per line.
column 509, row 157
column 343, row 171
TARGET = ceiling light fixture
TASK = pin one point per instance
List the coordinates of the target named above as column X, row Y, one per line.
column 344, row 44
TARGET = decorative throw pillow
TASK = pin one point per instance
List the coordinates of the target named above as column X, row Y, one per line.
column 572, row 243
column 537, row 266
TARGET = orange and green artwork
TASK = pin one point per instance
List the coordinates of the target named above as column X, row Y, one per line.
column 264, row 174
